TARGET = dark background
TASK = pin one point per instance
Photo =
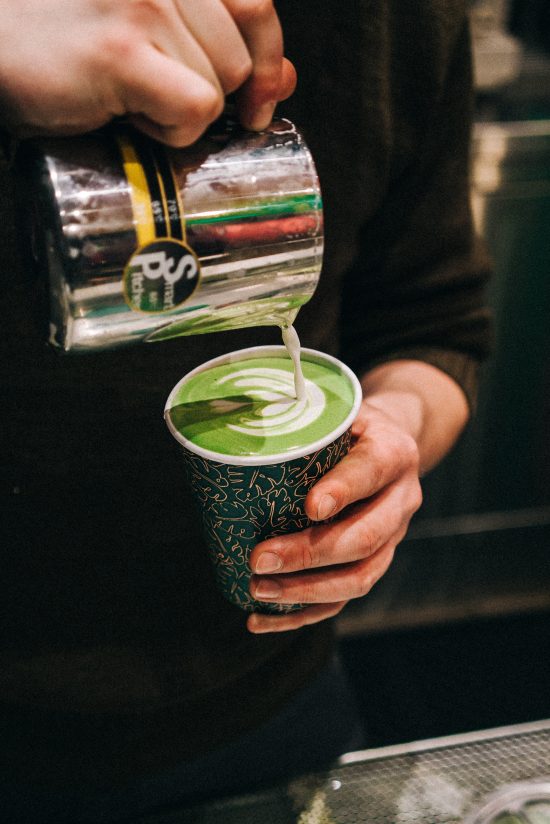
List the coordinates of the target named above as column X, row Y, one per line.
column 456, row 636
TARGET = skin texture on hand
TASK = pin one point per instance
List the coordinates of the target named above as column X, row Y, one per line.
column 69, row 66
column 412, row 413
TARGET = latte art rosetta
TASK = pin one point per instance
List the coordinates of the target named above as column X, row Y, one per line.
column 281, row 413
column 249, row 407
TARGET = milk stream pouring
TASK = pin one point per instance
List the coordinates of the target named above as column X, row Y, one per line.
column 141, row 242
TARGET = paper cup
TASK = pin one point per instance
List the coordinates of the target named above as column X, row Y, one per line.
column 244, row 500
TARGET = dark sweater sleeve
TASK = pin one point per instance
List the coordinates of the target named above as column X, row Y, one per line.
column 8, row 148
column 416, row 289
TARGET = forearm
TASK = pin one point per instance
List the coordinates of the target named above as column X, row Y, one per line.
column 423, row 400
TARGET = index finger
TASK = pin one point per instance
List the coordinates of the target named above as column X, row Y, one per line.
column 260, row 28
column 166, row 99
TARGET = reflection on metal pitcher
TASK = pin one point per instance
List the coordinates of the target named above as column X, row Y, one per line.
column 142, row 242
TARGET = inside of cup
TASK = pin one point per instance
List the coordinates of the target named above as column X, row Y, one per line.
column 241, row 407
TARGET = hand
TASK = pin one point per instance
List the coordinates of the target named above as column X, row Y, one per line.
column 69, row 66
column 374, row 490
column 411, row 416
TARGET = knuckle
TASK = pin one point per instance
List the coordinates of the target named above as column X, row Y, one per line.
column 251, row 11
column 310, row 593
column 310, row 555
column 300, row 619
column 388, row 560
column 144, row 12
column 336, row 609
column 267, row 83
column 117, row 49
column 177, row 138
column 417, row 497
column 370, row 540
column 392, row 451
column 313, row 616
column 235, row 75
column 363, row 584
column 201, row 109
column 213, row 106
column 412, row 501
column 410, row 452
column 377, row 458
column 400, row 451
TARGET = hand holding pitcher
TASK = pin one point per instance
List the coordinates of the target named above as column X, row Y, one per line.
column 70, row 66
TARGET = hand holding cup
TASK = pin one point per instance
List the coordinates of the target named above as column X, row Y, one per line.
column 253, row 451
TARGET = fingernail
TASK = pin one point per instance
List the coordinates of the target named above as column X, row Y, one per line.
column 262, row 116
column 267, row 589
column 268, row 562
column 326, row 507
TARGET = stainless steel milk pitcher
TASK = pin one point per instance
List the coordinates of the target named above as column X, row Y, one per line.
column 142, row 242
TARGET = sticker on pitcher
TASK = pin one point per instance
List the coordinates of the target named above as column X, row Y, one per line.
column 164, row 271
column 161, row 276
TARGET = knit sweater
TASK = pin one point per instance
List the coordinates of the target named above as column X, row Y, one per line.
column 119, row 657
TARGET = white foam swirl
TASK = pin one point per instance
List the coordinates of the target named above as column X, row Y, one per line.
column 283, row 413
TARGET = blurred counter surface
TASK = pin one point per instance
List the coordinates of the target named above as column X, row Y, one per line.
column 439, row 781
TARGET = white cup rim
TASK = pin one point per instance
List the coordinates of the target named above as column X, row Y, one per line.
column 280, row 457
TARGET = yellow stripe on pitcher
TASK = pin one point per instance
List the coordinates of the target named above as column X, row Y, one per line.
column 139, row 192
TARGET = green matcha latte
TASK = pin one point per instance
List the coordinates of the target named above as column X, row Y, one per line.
column 252, row 449
column 244, row 405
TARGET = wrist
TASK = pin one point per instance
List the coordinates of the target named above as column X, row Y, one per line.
column 424, row 401
column 404, row 408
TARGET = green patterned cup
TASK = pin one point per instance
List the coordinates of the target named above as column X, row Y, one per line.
column 252, row 451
